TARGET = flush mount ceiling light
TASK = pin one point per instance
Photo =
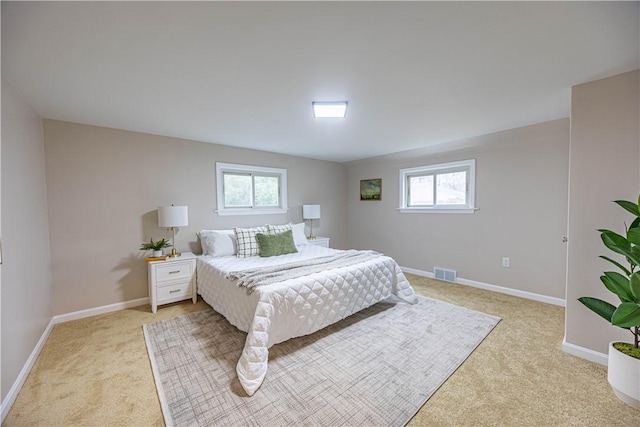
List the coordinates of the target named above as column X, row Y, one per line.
column 335, row 109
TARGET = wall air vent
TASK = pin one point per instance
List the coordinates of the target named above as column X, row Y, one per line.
column 444, row 274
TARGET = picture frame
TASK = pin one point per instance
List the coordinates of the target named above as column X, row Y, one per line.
column 371, row 189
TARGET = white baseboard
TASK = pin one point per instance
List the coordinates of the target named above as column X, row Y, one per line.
column 418, row 272
column 494, row 288
column 585, row 353
column 8, row 401
column 75, row 315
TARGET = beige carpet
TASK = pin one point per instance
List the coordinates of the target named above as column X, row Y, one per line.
column 96, row 372
column 375, row 368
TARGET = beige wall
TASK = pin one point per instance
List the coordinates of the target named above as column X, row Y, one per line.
column 26, row 269
column 521, row 193
column 105, row 185
column 605, row 150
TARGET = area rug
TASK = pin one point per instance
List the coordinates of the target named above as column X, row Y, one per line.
column 375, row 368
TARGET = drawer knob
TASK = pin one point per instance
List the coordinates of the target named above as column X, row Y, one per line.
column 174, row 272
column 174, row 291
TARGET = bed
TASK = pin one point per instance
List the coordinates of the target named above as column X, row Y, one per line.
column 293, row 307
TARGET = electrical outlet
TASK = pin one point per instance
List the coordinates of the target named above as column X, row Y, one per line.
column 505, row 262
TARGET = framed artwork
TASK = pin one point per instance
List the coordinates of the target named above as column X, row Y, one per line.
column 371, row 189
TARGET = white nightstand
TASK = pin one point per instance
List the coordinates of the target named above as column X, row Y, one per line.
column 320, row 241
column 172, row 280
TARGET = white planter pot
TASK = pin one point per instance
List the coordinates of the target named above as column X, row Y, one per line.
column 157, row 253
column 624, row 376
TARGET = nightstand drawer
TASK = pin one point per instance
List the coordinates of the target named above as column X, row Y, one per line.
column 174, row 271
column 173, row 291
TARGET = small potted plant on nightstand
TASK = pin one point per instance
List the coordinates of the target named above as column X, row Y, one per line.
column 156, row 246
column 624, row 358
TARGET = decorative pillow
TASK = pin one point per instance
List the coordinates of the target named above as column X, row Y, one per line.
column 274, row 229
column 276, row 244
column 298, row 234
column 247, row 242
column 217, row 242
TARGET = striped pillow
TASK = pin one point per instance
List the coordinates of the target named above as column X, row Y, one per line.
column 277, row 229
column 247, row 243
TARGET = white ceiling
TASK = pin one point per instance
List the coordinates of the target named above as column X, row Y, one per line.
column 244, row 74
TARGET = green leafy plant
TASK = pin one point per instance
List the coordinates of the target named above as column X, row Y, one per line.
column 625, row 285
column 155, row 246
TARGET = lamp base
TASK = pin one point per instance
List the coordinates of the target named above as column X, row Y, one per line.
column 311, row 235
column 174, row 254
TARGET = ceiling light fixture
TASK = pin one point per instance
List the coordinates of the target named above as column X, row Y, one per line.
column 335, row 109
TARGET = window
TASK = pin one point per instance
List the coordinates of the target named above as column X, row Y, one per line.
column 446, row 187
column 250, row 190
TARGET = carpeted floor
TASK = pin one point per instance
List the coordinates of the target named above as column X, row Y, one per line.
column 96, row 371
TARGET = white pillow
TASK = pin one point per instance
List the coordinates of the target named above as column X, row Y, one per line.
column 298, row 234
column 218, row 242
column 246, row 240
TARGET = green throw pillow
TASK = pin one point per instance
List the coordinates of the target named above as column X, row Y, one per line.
column 276, row 244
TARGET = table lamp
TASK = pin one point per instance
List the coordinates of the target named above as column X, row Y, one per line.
column 311, row 212
column 173, row 217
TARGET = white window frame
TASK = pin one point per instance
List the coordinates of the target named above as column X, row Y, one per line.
column 221, row 168
column 469, row 207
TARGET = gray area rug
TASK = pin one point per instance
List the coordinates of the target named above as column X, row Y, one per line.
column 375, row 368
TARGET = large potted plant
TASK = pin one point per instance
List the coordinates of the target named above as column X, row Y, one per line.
column 624, row 358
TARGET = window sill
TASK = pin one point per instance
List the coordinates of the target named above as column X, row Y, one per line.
column 438, row 211
column 230, row 212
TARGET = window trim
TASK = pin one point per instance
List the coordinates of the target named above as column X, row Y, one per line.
column 221, row 168
column 434, row 169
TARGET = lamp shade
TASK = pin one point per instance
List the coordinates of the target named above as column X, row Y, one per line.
column 173, row 216
column 310, row 211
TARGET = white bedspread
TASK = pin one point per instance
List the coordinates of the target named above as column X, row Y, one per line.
column 291, row 308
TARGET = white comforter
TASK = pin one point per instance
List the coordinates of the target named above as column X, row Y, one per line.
column 295, row 307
